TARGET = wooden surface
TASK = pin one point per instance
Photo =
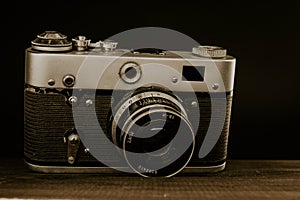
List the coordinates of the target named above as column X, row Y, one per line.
column 242, row 179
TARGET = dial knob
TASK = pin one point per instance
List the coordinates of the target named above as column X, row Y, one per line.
column 108, row 45
column 51, row 41
column 81, row 43
column 209, row 51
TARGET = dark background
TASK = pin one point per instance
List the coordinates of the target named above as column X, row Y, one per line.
column 262, row 36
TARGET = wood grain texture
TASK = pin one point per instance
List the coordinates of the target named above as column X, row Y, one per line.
column 242, row 179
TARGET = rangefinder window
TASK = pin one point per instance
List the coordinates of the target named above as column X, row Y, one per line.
column 193, row 73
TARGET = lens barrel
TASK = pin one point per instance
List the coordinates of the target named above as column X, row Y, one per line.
column 154, row 133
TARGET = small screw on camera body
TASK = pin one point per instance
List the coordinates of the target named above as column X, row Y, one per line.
column 72, row 99
column 71, row 160
column 174, row 79
column 88, row 102
column 51, row 82
column 215, row 86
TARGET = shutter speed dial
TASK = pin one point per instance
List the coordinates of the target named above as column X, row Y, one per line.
column 51, row 41
column 209, row 51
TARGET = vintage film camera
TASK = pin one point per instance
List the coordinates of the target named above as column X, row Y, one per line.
column 93, row 108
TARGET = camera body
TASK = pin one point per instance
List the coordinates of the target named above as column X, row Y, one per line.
column 89, row 107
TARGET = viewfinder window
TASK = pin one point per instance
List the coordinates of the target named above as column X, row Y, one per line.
column 193, row 73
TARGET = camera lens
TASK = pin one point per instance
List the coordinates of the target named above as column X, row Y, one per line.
column 153, row 130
